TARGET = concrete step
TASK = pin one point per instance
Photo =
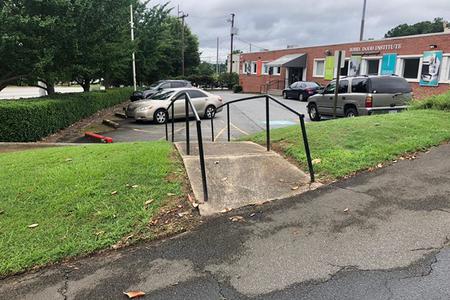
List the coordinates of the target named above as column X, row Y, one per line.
column 240, row 174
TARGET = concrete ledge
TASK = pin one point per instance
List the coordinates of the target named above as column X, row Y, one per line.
column 240, row 174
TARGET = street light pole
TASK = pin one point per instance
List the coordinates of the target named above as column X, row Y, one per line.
column 232, row 37
column 361, row 33
column 133, row 56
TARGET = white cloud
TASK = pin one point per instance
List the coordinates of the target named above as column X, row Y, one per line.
column 275, row 24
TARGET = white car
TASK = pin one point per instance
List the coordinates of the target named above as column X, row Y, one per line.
column 156, row 108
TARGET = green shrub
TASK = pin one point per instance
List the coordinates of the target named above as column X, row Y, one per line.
column 228, row 80
column 437, row 102
column 32, row 119
column 237, row 88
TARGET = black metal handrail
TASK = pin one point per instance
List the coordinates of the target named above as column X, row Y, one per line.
column 268, row 98
column 188, row 103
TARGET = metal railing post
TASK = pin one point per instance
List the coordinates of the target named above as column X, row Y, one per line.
column 167, row 130
column 186, row 111
column 202, row 161
column 173, row 121
column 228, row 122
column 267, row 124
column 308, row 153
column 212, row 129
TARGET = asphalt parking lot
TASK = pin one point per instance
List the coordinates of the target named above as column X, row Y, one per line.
column 245, row 117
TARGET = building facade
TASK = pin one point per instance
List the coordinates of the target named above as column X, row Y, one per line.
column 236, row 60
column 423, row 60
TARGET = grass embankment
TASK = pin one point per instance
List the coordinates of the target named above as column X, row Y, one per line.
column 70, row 192
column 345, row 146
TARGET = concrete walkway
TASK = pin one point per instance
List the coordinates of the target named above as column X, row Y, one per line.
column 241, row 173
column 379, row 235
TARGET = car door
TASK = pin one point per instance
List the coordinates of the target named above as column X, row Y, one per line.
column 301, row 86
column 290, row 91
column 325, row 101
column 199, row 100
column 342, row 97
column 179, row 105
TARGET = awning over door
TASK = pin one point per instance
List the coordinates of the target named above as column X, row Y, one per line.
column 290, row 61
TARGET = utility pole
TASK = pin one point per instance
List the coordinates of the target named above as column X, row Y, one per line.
column 232, row 37
column 133, row 56
column 361, row 34
column 182, row 17
column 336, row 89
column 217, row 57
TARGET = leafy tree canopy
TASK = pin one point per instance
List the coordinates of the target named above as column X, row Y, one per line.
column 419, row 28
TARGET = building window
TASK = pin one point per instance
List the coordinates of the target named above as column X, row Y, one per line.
column 319, row 68
column 411, row 68
column 373, row 66
column 448, row 68
column 253, row 67
column 265, row 68
column 344, row 70
column 276, row 70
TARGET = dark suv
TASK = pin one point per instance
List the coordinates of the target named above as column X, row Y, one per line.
column 159, row 86
column 361, row 95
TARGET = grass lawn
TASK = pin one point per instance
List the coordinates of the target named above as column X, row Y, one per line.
column 82, row 198
column 348, row 145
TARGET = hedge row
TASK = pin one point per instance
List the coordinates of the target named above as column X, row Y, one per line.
column 437, row 102
column 32, row 119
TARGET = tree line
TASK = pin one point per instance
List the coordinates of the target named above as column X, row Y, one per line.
column 85, row 41
column 437, row 25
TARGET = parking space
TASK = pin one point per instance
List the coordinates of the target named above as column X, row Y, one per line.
column 245, row 118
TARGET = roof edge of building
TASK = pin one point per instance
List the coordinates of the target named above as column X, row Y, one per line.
column 357, row 42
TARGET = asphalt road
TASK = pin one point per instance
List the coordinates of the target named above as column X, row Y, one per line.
column 246, row 117
column 391, row 243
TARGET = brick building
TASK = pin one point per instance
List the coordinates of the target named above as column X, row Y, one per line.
column 261, row 72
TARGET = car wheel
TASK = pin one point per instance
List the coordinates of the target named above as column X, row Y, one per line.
column 351, row 112
column 300, row 97
column 210, row 112
column 313, row 112
column 160, row 116
column 285, row 95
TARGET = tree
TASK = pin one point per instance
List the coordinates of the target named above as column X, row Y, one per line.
column 159, row 46
column 99, row 40
column 419, row 28
column 205, row 68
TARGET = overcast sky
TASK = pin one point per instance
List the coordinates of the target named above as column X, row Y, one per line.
column 274, row 24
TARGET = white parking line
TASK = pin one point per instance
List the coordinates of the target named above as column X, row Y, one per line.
column 219, row 134
column 242, row 131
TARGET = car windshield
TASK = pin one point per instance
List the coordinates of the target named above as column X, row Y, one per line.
column 154, row 84
column 162, row 95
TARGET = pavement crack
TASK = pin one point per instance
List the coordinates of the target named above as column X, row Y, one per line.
column 65, row 287
column 428, row 272
column 217, row 282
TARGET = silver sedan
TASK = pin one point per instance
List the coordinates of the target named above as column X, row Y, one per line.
column 156, row 108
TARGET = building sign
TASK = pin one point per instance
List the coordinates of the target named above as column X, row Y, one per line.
column 355, row 65
column 388, row 64
column 373, row 48
column 329, row 68
column 431, row 65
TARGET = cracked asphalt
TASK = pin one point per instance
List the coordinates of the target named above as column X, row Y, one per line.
column 392, row 243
